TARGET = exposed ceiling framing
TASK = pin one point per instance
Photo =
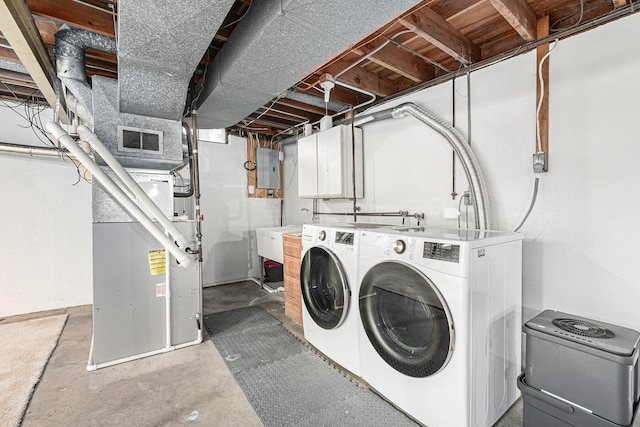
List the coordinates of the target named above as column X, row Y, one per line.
column 434, row 41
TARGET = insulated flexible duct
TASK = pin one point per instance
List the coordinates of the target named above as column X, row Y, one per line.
column 71, row 45
column 116, row 192
column 457, row 142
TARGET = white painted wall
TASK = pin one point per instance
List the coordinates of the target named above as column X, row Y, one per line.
column 579, row 249
column 45, row 228
column 229, row 239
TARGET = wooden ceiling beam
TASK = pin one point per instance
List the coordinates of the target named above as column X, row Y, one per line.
column 398, row 60
column 74, row 14
column 269, row 123
column 15, row 78
column 519, row 15
column 8, row 55
column 433, row 28
column 278, row 113
column 22, row 92
column 297, row 113
column 371, row 82
column 47, row 30
column 338, row 93
column 361, row 78
column 17, row 26
column 302, row 106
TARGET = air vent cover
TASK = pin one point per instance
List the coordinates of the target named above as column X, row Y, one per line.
column 140, row 140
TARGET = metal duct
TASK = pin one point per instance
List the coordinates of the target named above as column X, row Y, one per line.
column 71, row 44
column 459, row 145
column 277, row 44
column 160, row 43
column 116, row 193
column 28, row 150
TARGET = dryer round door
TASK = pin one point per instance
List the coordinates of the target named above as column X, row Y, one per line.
column 406, row 319
column 325, row 290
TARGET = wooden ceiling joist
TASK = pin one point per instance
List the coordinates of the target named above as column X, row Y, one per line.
column 519, row 15
column 17, row 26
column 8, row 55
column 364, row 79
column 75, row 14
column 276, row 112
column 397, row 60
column 18, row 91
column 302, row 106
column 296, row 114
column 15, row 78
column 436, row 30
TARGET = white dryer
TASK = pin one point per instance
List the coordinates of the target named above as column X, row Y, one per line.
column 328, row 274
column 440, row 322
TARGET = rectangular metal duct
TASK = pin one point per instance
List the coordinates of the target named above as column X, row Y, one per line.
column 277, row 44
column 160, row 43
column 107, row 119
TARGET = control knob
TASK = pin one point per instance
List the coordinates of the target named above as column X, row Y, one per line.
column 322, row 235
column 399, row 246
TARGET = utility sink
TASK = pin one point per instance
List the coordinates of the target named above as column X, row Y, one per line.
column 270, row 241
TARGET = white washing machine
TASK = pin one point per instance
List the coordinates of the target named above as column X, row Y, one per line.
column 440, row 321
column 328, row 274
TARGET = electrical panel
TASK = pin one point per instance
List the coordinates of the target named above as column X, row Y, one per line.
column 268, row 168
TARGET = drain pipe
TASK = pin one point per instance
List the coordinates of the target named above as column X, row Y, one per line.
column 131, row 184
column 116, row 192
column 457, row 142
column 71, row 45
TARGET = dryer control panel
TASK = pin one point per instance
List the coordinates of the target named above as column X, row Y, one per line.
column 441, row 251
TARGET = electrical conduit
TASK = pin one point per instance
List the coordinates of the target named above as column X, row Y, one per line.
column 91, row 138
column 120, row 196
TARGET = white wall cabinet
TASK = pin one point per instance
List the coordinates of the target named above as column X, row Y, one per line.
column 325, row 164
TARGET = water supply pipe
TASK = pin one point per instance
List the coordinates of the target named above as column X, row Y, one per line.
column 118, row 194
column 457, row 142
column 131, row 184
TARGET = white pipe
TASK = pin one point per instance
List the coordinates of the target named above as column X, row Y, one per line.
column 167, row 302
column 131, row 184
column 116, row 192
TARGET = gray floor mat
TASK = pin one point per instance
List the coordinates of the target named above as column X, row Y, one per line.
column 286, row 383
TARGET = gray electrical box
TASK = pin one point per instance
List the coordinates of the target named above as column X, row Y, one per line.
column 268, row 167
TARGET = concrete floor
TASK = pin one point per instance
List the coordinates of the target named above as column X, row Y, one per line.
column 187, row 386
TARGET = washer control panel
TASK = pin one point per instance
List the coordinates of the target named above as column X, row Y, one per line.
column 441, row 251
column 345, row 238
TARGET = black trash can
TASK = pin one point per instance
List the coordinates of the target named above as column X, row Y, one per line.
column 272, row 271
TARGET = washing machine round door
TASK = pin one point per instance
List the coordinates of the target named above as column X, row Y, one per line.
column 325, row 290
column 406, row 319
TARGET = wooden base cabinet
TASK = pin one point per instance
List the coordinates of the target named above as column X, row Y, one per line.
column 292, row 296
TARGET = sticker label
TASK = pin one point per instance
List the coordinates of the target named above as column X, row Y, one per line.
column 158, row 261
column 161, row 290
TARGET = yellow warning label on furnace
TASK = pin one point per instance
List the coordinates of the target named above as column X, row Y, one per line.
column 158, row 261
